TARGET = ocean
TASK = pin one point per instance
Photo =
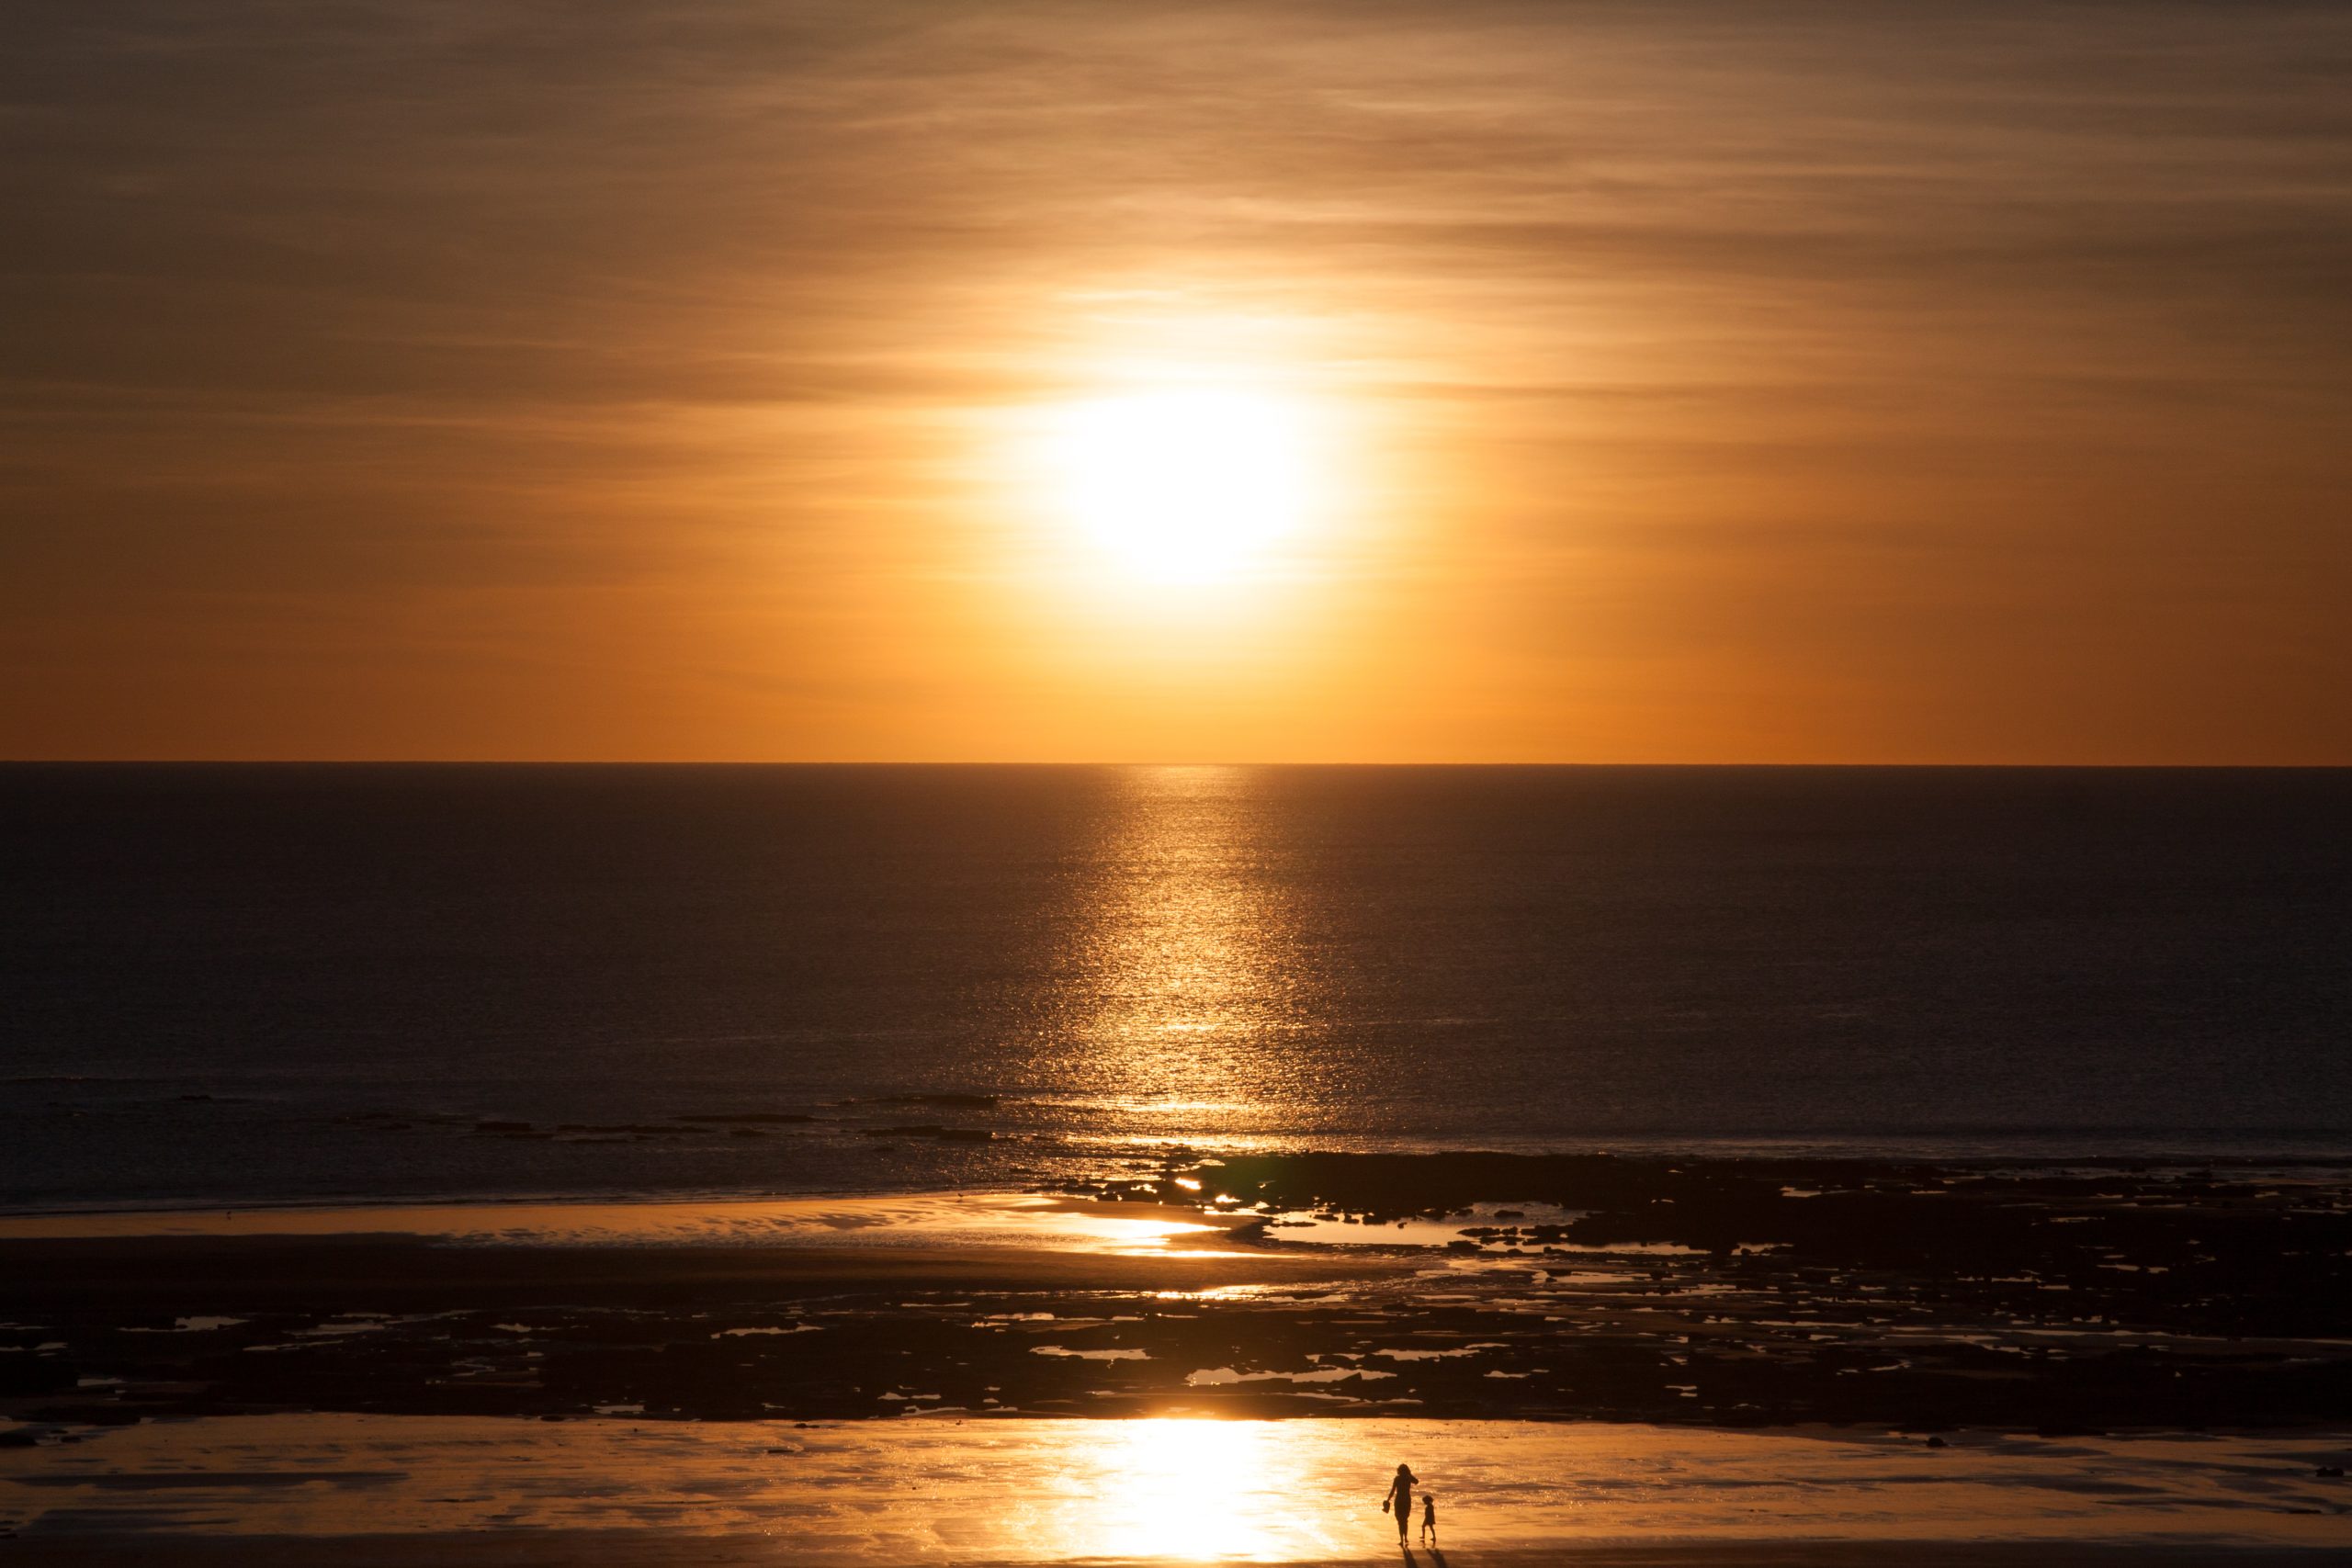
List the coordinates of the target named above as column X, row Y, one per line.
column 252, row 984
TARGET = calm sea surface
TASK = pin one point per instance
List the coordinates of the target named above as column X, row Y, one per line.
column 247, row 983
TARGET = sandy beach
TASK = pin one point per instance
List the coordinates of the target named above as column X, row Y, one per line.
column 2037, row 1374
column 1740, row 1295
column 942, row 1490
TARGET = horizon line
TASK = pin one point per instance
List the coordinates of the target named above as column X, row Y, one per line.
column 1115, row 762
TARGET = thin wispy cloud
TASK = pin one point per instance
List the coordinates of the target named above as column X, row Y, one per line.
column 1827, row 381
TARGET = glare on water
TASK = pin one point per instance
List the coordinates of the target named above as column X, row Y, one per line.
column 1186, row 954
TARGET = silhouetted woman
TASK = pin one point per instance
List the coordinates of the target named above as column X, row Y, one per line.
column 1400, row 1500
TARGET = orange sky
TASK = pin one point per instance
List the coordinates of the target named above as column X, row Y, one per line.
column 1697, row 382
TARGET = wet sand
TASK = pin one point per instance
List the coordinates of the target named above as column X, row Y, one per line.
column 1741, row 1294
column 1030, row 1221
column 933, row 1489
column 661, row 1549
column 857, row 1382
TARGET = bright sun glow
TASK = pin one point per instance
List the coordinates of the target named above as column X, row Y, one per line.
column 1187, row 484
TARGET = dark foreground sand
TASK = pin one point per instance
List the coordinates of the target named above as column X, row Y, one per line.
column 1741, row 1294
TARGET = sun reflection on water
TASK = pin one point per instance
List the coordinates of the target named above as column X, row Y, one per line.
column 1190, row 992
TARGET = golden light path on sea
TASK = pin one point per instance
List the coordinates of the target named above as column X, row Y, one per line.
column 1190, row 982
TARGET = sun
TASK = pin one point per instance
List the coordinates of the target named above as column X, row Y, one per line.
column 1185, row 484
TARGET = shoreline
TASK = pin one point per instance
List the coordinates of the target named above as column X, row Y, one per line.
column 1035, row 1161
column 1010, row 1219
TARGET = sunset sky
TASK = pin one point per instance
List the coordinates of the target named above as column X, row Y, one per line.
column 1482, row 380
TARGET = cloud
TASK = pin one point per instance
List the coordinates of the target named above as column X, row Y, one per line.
column 369, row 301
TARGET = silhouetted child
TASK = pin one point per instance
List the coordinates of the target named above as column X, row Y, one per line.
column 1429, row 1519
